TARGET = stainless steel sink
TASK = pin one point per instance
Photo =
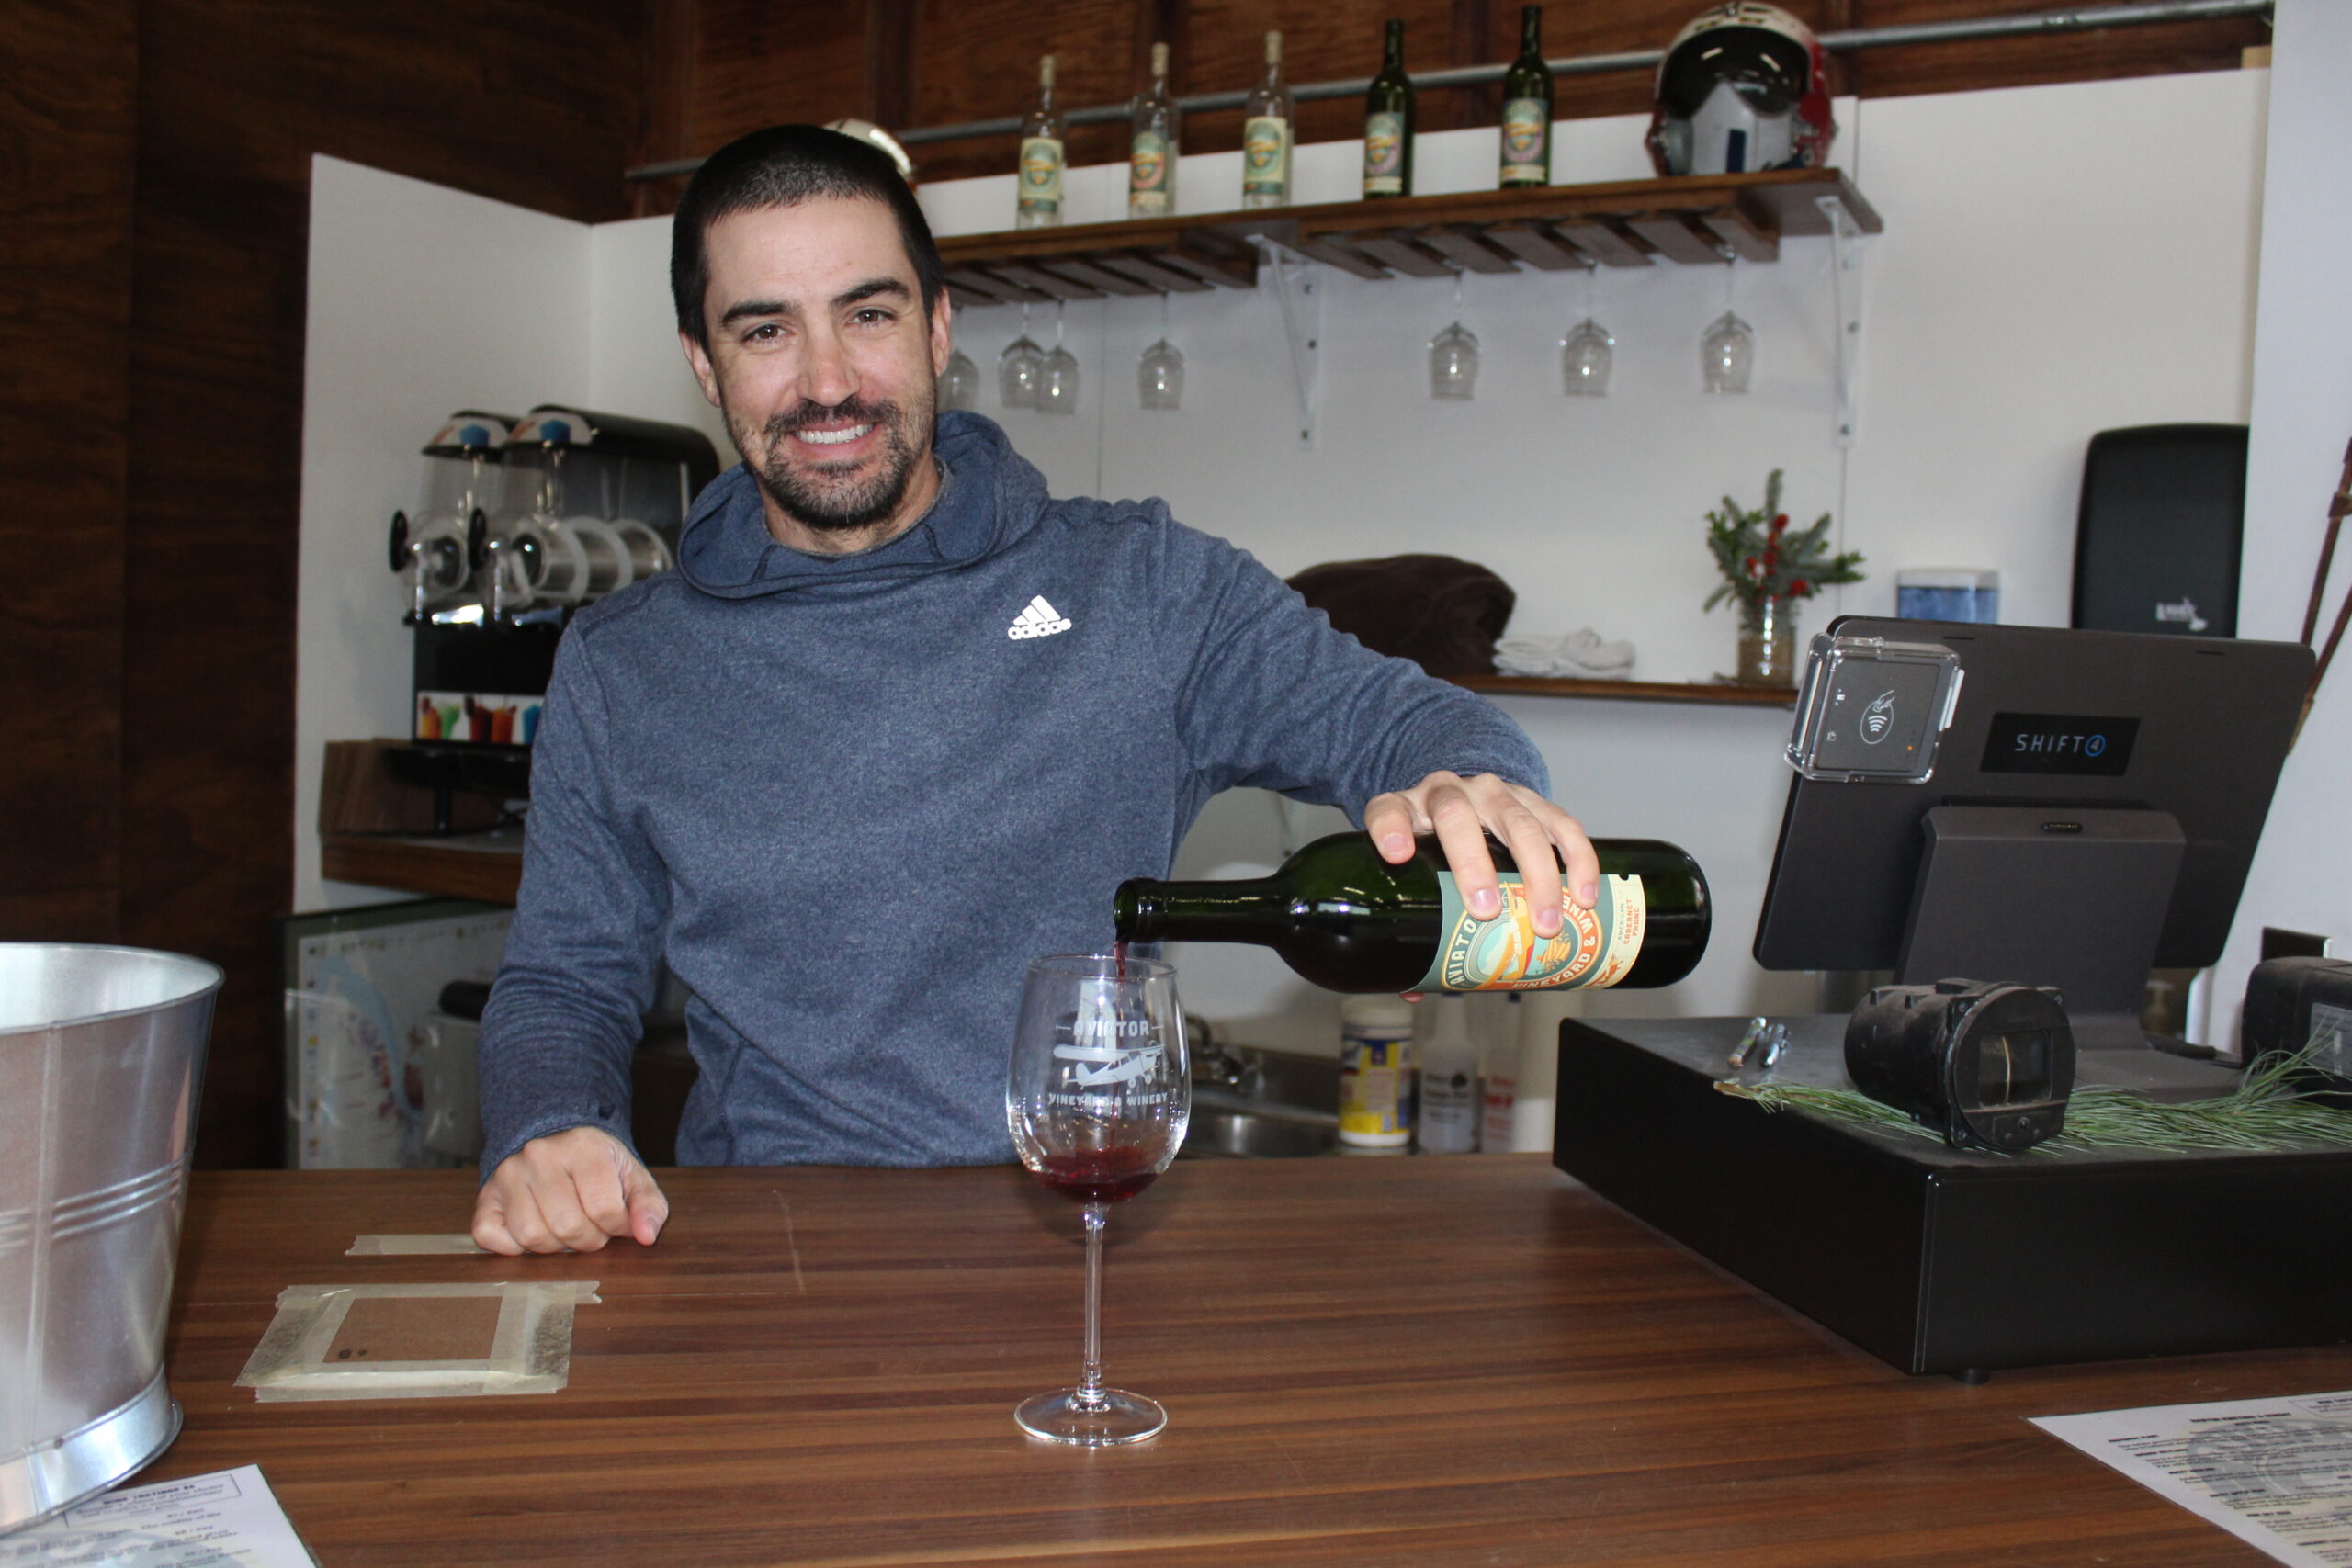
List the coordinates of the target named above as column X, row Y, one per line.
column 1256, row 1104
column 1248, row 1135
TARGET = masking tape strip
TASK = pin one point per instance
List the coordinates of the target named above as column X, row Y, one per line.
column 530, row 1350
column 411, row 1246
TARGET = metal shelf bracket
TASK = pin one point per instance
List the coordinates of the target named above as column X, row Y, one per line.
column 1846, row 239
column 1298, row 285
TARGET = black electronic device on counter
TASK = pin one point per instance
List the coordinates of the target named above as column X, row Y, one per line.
column 2092, row 812
column 2302, row 1005
column 1987, row 1065
column 1936, row 1259
column 2093, row 807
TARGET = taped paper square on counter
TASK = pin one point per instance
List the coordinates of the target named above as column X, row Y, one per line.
column 413, row 1245
column 416, row 1341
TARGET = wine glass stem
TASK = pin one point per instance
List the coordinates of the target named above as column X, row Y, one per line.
column 1089, row 1376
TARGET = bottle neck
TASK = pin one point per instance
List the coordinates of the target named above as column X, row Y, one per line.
column 1146, row 910
column 1531, row 32
column 1395, row 47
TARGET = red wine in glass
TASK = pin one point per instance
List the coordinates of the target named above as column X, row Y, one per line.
column 1101, row 1176
column 1097, row 1098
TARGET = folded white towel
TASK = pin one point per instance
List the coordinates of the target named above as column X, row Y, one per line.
column 1580, row 655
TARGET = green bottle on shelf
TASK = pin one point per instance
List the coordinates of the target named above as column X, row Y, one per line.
column 1527, row 108
column 1388, row 124
column 1348, row 921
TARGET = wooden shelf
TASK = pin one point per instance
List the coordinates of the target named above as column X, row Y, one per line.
column 1696, row 220
column 1714, row 694
column 488, row 866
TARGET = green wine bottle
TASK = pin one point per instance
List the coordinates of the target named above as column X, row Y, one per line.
column 1349, row 921
column 1388, row 124
column 1527, row 108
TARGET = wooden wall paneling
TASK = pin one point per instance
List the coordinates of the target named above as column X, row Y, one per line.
column 2033, row 60
column 1476, row 25
column 893, row 60
column 987, row 52
column 759, row 63
column 67, row 145
column 668, row 72
column 528, row 101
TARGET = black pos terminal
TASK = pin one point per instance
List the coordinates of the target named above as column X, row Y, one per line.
column 2058, row 811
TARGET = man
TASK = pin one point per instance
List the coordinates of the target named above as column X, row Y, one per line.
column 898, row 724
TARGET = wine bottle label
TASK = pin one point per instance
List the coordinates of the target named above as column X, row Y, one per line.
column 1383, row 154
column 1527, row 131
column 1265, row 156
column 1041, row 173
column 1147, row 175
column 1594, row 947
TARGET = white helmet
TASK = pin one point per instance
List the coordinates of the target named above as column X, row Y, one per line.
column 1743, row 87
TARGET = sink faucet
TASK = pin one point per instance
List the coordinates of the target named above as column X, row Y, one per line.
column 1212, row 1062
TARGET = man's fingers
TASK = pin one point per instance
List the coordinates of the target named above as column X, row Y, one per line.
column 1583, row 861
column 489, row 1223
column 648, row 1210
column 1463, row 836
column 1388, row 818
column 1538, row 869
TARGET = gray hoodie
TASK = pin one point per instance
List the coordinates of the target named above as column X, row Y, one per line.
column 849, row 798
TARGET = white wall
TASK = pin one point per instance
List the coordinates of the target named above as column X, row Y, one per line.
column 422, row 301
column 2045, row 274
column 2302, row 414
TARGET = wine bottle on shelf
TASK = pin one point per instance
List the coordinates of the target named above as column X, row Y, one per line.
column 1348, row 921
column 1388, row 123
column 1039, row 204
column 1152, row 145
column 1527, row 108
column 1269, row 130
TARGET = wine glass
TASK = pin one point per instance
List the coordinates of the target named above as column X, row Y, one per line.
column 1058, row 383
column 1588, row 352
column 1727, row 352
column 959, row 384
column 1454, row 356
column 1097, row 1097
column 1020, row 367
column 1159, row 374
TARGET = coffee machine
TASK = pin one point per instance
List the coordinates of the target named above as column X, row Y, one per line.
column 523, row 521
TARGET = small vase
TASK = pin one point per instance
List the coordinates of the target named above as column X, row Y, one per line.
column 1767, row 644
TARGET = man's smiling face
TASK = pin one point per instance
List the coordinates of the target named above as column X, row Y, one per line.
column 825, row 365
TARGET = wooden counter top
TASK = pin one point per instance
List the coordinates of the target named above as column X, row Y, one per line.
column 1406, row 1361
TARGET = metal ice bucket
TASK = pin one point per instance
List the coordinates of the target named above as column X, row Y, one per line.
column 101, row 1059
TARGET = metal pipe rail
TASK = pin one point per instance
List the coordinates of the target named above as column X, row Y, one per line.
column 2080, row 19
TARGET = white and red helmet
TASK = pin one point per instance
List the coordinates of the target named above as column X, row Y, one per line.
column 1743, row 87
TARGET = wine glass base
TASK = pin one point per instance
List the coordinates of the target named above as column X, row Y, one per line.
column 1117, row 1417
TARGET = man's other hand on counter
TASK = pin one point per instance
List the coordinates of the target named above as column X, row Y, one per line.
column 569, row 1191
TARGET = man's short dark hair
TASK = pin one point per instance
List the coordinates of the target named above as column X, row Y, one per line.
column 783, row 166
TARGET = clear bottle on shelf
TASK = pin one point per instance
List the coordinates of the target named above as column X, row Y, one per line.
column 1269, row 130
column 1039, row 204
column 1156, row 129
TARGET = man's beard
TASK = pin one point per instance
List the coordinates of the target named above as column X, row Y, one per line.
column 834, row 503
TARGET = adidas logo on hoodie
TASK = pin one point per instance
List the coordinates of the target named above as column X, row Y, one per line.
column 1037, row 618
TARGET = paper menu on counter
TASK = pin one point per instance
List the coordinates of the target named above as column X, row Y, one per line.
column 227, row 1520
column 2277, row 1474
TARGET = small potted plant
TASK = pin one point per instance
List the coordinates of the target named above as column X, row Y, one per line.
column 1766, row 569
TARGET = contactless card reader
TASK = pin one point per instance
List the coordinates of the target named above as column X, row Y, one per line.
column 1872, row 710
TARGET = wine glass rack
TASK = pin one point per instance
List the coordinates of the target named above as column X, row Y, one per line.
column 1691, row 220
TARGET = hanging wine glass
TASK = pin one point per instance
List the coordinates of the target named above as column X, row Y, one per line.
column 1588, row 352
column 1020, row 369
column 959, row 384
column 1453, row 356
column 1159, row 374
column 1727, row 352
column 1057, row 386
